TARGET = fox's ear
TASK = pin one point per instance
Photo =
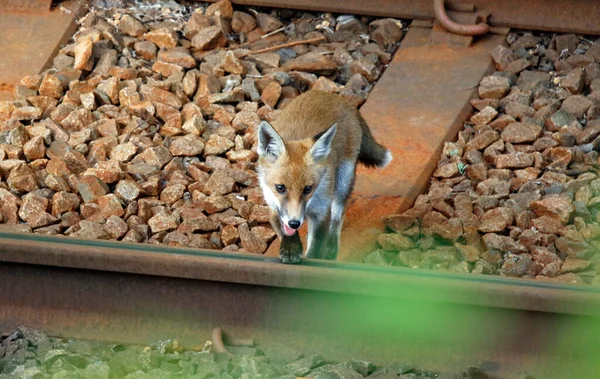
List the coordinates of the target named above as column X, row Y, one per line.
column 322, row 146
column 270, row 144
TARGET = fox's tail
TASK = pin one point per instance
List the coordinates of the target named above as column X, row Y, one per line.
column 372, row 154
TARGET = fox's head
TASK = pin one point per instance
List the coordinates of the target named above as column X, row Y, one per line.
column 290, row 172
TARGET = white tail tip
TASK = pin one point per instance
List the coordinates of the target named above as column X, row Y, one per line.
column 386, row 161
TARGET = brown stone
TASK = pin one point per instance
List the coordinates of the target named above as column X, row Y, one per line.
column 158, row 95
column 496, row 220
column 260, row 214
column 219, row 183
column 21, row 179
column 446, row 170
column 245, row 119
column 91, row 230
column 232, row 64
column 214, row 203
column 311, row 62
column 220, row 8
column 56, row 183
column 27, row 113
column 83, row 53
column 519, row 132
column 123, row 152
column 107, row 171
column 267, row 22
column 63, row 202
column 576, row 105
column 557, row 206
column 502, row 57
column 574, row 81
column 163, row 221
column 157, row 156
column 51, row 86
column 163, row 38
column 115, row 227
column 172, row 193
column 145, row 50
column 503, row 244
column 548, row 224
column 74, row 160
column 91, row 188
column 198, row 224
column 559, row 158
column 493, row 87
column 514, row 160
column 131, row 26
column 188, row 145
column 485, row 116
column 34, row 148
column 110, row 206
column 250, row 242
column 32, row 207
column 216, row 145
column 206, row 38
column 167, row 69
column 270, row 94
column 242, row 22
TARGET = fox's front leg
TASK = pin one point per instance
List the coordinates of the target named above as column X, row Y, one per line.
column 290, row 247
column 344, row 183
column 318, row 235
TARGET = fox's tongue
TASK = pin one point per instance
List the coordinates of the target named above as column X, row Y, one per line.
column 288, row 231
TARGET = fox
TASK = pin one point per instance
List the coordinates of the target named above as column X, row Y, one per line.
column 306, row 168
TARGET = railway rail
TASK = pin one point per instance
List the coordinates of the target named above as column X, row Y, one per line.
column 135, row 293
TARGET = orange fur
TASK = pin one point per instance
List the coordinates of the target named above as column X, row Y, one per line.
column 292, row 156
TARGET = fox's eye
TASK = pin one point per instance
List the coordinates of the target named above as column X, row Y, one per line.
column 307, row 190
column 280, row 188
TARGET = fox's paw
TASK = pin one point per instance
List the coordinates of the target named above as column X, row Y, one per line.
column 290, row 252
column 330, row 250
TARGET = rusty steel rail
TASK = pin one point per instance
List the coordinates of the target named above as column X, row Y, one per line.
column 133, row 293
column 576, row 16
column 315, row 275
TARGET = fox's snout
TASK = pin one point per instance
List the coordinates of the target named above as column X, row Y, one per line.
column 294, row 224
column 290, row 225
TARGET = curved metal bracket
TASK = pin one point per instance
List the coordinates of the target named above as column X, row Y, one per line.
column 453, row 27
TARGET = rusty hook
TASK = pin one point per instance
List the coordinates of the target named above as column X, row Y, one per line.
column 453, row 27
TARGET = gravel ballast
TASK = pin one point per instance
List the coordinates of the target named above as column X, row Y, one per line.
column 30, row 353
column 144, row 129
column 518, row 193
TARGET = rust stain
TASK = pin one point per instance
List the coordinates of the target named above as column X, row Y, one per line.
column 6, row 87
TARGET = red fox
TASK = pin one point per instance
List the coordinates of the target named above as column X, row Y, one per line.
column 307, row 166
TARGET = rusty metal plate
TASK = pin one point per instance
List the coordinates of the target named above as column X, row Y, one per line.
column 25, row 5
column 31, row 39
column 420, row 102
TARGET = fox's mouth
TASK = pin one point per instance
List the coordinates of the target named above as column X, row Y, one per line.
column 287, row 230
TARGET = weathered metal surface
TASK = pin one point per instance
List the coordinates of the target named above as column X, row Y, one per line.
column 420, row 102
column 458, row 28
column 25, row 5
column 577, row 16
column 30, row 39
column 139, row 293
column 313, row 275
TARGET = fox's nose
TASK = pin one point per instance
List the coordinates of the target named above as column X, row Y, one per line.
column 294, row 224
